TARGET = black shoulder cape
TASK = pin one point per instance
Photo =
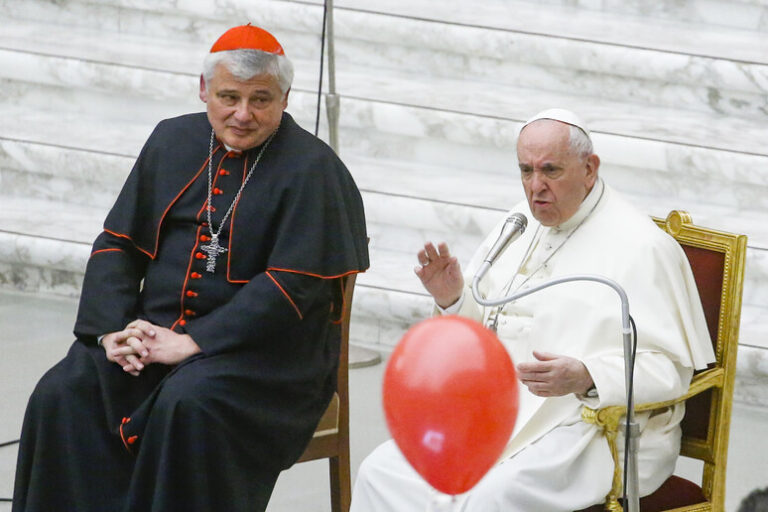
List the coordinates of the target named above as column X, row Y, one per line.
column 309, row 211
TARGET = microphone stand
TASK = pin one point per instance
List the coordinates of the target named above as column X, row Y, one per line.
column 359, row 357
column 332, row 99
column 633, row 429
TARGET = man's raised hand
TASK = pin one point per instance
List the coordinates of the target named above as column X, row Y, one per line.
column 440, row 274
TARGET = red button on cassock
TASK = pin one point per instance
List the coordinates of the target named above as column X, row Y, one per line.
column 200, row 256
column 190, row 293
column 189, row 312
column 182, row 322
column 195, row 275
column 217, row 191
column 204, row 238
column 223, row 173
column 132, row 439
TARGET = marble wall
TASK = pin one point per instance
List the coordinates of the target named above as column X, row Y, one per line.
column 432, row 96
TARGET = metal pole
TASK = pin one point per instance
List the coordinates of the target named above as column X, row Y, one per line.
column 633, row 433
column 332, row 99
column 359, row 357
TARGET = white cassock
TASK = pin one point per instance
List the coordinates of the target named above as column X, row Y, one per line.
column 553, row 460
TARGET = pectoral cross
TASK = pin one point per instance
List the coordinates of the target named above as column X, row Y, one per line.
column 213, row 249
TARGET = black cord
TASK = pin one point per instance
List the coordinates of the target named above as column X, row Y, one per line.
column 322, row 63
column 3, row 445
column 630, row 391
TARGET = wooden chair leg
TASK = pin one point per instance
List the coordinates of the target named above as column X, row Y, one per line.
column 341, row 484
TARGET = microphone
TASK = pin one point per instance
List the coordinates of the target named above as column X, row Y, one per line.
column 513, row 227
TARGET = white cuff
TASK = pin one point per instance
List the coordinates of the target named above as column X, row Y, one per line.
column 453, row 308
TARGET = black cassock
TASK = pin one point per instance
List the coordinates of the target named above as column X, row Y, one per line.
column 213, row 432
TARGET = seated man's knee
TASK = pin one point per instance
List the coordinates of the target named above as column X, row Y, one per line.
column 501, row 487
column 382, row 459
column 185, row 391
column 61, row 382
column 367, row 466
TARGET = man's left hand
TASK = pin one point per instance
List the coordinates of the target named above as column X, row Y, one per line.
column 554, row 375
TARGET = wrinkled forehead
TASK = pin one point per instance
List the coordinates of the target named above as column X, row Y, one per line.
column 224, row 77
column 543, row 136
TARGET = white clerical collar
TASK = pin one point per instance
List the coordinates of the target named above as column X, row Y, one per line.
column 232, row 150
column 585, row 208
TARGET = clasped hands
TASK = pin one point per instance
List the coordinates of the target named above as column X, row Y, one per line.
column 549, row 375
column 142, row 343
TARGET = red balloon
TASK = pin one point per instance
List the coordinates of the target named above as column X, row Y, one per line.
column 450, row 400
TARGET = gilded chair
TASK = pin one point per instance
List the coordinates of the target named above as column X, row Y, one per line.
column 331, row 439
column 717, row 260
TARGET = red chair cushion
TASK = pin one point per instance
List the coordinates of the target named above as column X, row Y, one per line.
column 674, row 492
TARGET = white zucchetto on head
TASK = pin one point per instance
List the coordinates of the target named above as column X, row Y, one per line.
column 558, row 114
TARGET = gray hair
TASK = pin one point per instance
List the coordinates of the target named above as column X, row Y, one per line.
column 756, row 501
column 579, row 142
column 247, row 63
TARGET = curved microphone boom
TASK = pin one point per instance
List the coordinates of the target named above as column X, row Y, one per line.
column 513, row 227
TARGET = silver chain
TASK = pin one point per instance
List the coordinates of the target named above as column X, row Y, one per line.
column 215, row 234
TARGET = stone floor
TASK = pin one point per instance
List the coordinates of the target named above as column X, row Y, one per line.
column 36, row 333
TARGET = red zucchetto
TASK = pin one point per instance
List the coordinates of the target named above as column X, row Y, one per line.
column 247, row 37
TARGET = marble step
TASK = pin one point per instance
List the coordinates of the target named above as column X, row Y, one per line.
column 120, row 66
column 720, row 77
column 673, row 26
column 43, row 233
column 47, row 234
column 44, row 247
column 675, row 146
column 51, row 261
column 431, row 148
column 403, row 210
column 436, row 102
column 49, row 252
column 71, row 157
column 746, row 14
column 433, row 118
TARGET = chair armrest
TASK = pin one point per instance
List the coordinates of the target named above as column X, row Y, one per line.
column 609, row 418
column 705, row 380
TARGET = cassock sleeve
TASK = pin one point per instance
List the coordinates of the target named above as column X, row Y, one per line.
column 111, row 286
column 116, row 267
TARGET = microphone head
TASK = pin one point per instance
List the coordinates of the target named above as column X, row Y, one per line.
column 513, row 227
column 520, row 220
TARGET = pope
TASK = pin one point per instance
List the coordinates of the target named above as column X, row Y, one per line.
column 566, row 340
